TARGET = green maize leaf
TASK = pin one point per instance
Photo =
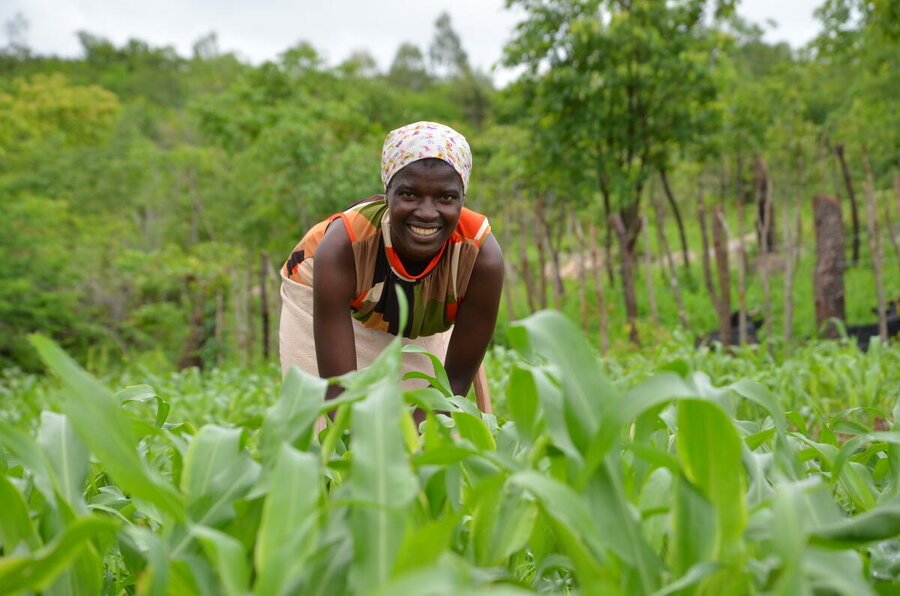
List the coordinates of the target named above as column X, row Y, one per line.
column 27, row 452
column 784, row 452
column 39, row 570
column 511, row 525
column 880, row 523
column 614, row 518
column 288, row 532
column 694, row 575
column 551, row 398
column 216, row 473
column 835, row 572
column 104, row 427
column 587, row 395
column 227, row 557
column 649, row 394
column 292, row 419
column 710, row 451
column 381, row 481
column 851, row 446
column 483, row 501
column 523, row 402
column 143, row 394
column 155, row 574
column 68, row 458
column 571, row 522
column 423, row 546
column 464, row 405
column 15, row 522
column 473, row 429
column 427, row 398
column 440, row 380
column 654, row 503
column 83, row 577
column 693, row 528
column 328, row 570
column 444, row 455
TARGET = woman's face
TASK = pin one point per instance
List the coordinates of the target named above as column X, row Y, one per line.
column 425, row 201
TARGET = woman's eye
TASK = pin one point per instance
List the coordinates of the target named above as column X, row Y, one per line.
column 405, row 194
column 448, row 198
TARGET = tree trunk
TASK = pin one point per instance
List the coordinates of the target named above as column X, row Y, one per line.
column 854, row 210
column 875, row 252
column 607, row 240
column 765, row 214
column 578, row 233
column 264, row 302
column 671, row 198
column 542, row 264
column 791, row 240
column 599, row 292
column 764, row 229
column 704, row 237
column 648, row 275
column 525, row 267
column 723, row 305
column 627, row 277
column 666, row 254
column 828, row 280
column 742, row 256
column 889, row 219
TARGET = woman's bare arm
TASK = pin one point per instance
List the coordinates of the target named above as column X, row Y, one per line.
column 475, row 318
column 334, row 285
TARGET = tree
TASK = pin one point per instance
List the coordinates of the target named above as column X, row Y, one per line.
column 408, row 69
column 448, row 59
column 620, row 86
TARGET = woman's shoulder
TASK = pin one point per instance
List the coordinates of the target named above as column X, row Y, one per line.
column 473, row 226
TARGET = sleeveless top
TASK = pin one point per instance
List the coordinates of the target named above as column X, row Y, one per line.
column 433, row 296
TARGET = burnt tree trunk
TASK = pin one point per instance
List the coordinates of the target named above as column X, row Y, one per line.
column 607, row 239
column 854, row 209
column 627, row 271
column 720, row 244
column 681, row 235
column 828, row 277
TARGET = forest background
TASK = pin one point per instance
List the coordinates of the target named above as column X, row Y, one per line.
column 148, row 198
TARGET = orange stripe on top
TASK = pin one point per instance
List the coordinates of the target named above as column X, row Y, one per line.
column 397, row 264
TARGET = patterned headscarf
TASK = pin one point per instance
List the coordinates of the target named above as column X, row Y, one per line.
column 421, row 140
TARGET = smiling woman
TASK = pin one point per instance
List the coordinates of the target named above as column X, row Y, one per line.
column 339, row 286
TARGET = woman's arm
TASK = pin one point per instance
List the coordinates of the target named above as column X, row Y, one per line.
column 334, row 285
column 475, row 318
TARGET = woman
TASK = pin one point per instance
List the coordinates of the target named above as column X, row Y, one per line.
column 339, row 286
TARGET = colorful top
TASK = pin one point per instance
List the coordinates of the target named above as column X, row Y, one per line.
column 433, row 295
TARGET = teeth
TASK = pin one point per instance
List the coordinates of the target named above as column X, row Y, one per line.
column 423, row 231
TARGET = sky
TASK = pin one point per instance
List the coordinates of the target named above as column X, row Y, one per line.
column 259, row 30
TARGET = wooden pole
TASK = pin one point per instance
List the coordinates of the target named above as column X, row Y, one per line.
column 482, row 395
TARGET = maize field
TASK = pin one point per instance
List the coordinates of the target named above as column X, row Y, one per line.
column 663, row 484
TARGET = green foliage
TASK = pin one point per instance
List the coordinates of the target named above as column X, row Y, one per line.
column 660, row 485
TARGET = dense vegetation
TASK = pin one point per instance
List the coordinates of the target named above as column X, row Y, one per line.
column 147, row 198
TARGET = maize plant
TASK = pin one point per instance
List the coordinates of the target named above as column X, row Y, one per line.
column 668, row 486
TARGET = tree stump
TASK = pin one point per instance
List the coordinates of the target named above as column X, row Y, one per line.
column 828, row 277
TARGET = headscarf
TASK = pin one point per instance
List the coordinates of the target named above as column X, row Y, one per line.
column 421, row 140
